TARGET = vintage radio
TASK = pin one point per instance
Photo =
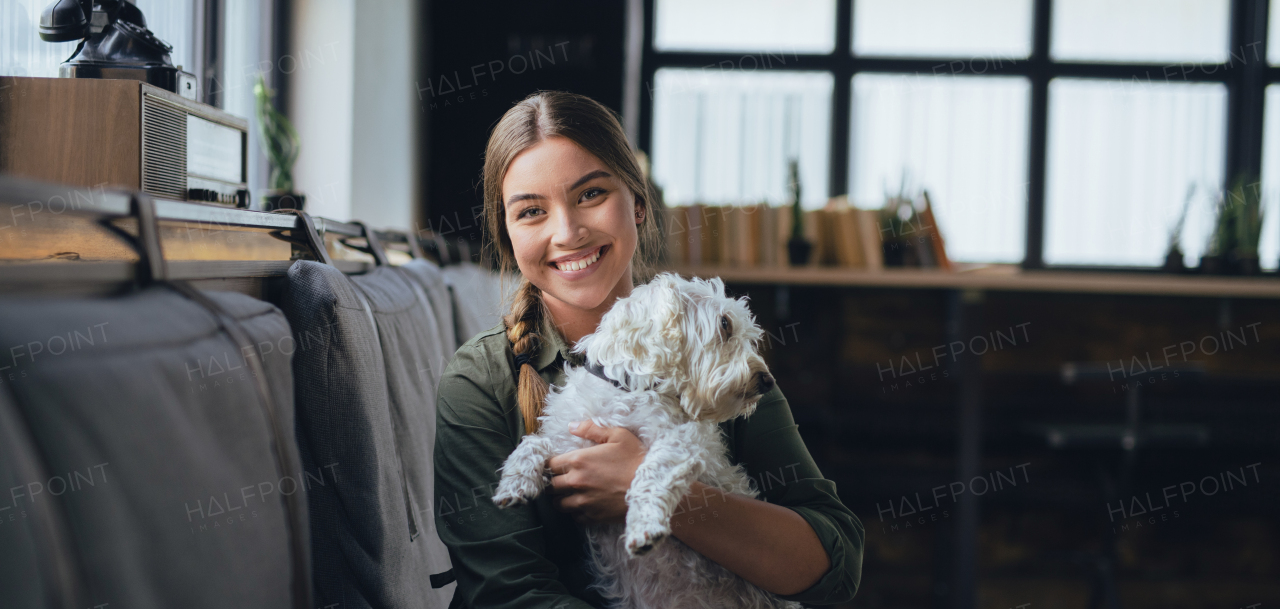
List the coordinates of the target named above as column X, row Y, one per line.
column 122, row 133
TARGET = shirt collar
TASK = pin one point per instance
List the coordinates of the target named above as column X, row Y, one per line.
column 554, row 347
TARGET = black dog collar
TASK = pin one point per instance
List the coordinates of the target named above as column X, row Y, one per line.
column 597, row 370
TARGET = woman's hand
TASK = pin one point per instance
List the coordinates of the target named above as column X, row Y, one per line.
column 591, row 483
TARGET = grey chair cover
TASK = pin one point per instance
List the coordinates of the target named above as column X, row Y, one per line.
column 477, row 298
column 434, row 293
column 37, row 566
column 363, row 372
column 154, row 455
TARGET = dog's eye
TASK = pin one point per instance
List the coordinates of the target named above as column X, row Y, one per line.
column 726, row 326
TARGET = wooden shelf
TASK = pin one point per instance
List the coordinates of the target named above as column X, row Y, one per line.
column 1000, row 278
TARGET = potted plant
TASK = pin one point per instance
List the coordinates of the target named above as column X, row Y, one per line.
column 280, row 141
column 798, row 248
column 1247, row 199
column 1173, row 257
column 1233, row 245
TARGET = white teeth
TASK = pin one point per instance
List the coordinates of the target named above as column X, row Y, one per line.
column 578, row 265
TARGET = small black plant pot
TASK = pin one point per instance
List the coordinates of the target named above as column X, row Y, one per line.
column 276, row 199
column 1247, row 265
column 1214, row 265
column 901, row 252
column 798, row 250
column 1173, row 262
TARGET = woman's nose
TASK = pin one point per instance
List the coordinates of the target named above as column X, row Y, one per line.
column 570, row 231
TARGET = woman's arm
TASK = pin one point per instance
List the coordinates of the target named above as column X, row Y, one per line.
column 765, row 544
column 768, row 545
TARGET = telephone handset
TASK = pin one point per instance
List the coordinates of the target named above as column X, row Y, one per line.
column 114, row 43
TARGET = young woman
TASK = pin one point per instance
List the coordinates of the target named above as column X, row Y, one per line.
column 565, row 202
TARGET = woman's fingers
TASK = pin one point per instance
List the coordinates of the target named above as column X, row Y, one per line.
column 591, row 431
column 563, row 484
column 590, row 483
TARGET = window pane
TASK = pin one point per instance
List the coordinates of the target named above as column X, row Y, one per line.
column 1269, row 247
column 964, row 139
column 241, row 66
column 1122, row 157
column 23, row 53
column 724, row 137
column 1273, row 33
column 172, row 22
column 799, row 26
column 1141, row 30
column 942, row 28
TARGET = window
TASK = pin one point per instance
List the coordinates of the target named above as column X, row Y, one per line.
column 799, row 26
column 1141, row 30
column 942, row 28
column 23, row 53
column 1048, row 132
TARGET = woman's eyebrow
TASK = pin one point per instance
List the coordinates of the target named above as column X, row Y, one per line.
column 599, row 173
column 521, row 197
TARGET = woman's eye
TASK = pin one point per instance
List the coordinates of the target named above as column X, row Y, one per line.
column 527, row 211
column 592, row 193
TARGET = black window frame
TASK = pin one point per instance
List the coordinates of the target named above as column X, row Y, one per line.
column 1245, row 74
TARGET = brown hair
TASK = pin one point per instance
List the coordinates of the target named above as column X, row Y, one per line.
column 597, row 130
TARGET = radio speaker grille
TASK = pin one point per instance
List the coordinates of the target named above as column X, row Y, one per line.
column 164, row 149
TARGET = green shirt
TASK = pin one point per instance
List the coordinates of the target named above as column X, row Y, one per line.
column 533, row 555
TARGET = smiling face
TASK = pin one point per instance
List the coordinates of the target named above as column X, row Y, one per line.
column 572, row 224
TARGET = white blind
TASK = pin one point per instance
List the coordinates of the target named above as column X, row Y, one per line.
column 964, row 139
column 725, row 137
column 1121, row 159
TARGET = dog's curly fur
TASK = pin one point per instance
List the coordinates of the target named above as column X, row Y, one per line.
column 687, row 358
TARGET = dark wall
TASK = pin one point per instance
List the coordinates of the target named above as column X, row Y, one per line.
column 481, row 57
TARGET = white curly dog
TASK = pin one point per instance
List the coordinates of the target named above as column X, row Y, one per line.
column 669, row 363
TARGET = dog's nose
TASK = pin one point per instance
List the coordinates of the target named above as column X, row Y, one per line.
column 764, row 383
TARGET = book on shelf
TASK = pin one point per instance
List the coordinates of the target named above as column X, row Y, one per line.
column 767, row 219
column 749, row 228
column 782, row 234
column 843, row 229
column 677, row 235
column 737, row 237
column 756, row 236
column 869, row 237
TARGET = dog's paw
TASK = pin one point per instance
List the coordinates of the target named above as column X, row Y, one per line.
column 641, row 539
column 508, row 499
column 515, row 491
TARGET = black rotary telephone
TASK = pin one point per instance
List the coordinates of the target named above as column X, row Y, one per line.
column 114, row 43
